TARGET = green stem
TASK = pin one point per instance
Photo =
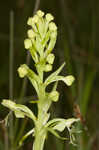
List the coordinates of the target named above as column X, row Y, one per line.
column 39, row 140
column 40, row 133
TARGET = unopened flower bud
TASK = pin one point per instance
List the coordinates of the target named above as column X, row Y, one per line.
column 53, row 34
column 30, row 21
column 69, row 80
column 54, row 96
column 35, row 19
column 22, row 70
column 31, row 34
column 40, row 13
column 27, row 43
column 50, row 58
column 52, row 26
column 49, row 17
column 48, row 68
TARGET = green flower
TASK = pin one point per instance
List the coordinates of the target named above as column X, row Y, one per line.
column 50, row 58
column 53, row 34
column 69, row 80
column 52, row 26
column 27, row 43
column 30, row 21
column 49, row 17
column 22, row 70
column 48, row 68
column 40, row 13
column 54, row 96
column 35, row 19
column 31, row 34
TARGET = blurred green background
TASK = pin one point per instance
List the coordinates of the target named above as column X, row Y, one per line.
column 77, row 45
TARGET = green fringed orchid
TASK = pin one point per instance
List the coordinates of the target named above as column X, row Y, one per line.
column 40, row 42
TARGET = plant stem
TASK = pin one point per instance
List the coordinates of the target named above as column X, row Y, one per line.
column 40, row 133
column 39, row 140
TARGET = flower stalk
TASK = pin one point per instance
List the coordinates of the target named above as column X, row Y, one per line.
column 40, row 43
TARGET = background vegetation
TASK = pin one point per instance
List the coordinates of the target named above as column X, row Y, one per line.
column 77, row 44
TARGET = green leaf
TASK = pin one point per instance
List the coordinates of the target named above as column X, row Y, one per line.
column 25, row 136
column 20, row 110
column 56, row 134
column 52, row 77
